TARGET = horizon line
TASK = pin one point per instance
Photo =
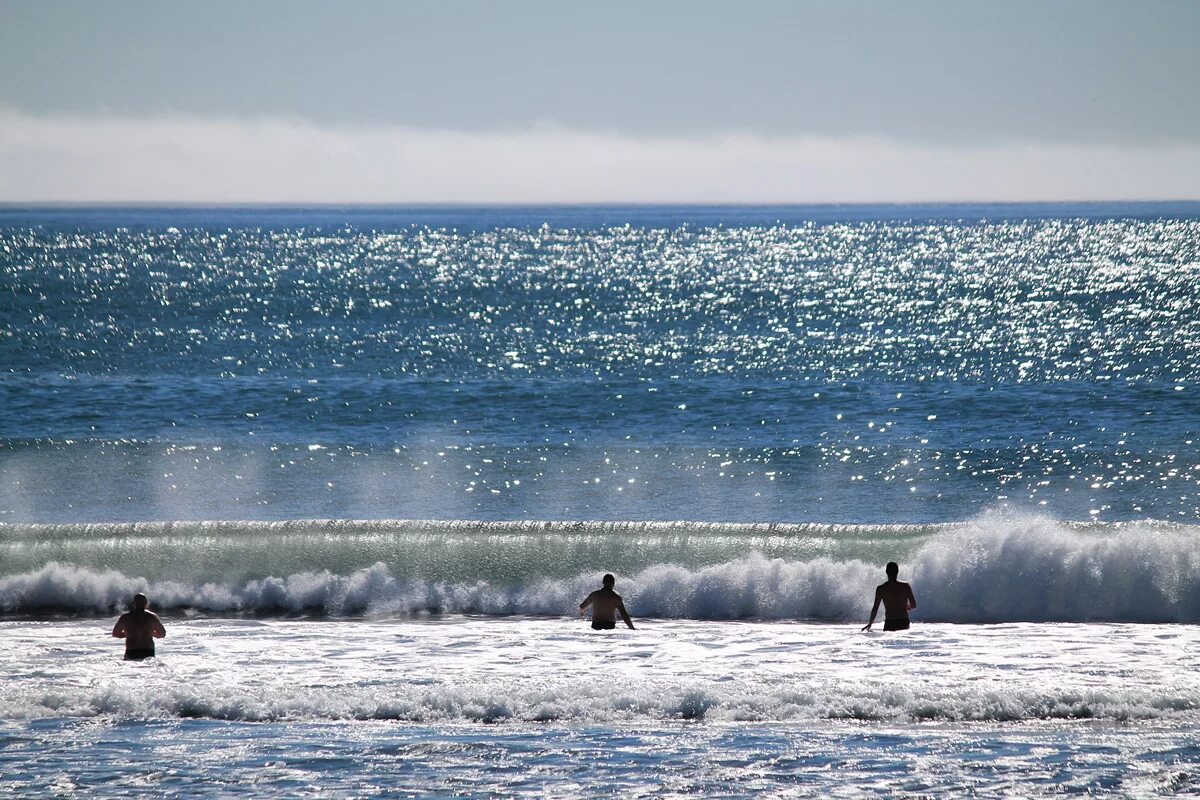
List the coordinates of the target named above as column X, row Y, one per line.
column 474, row 204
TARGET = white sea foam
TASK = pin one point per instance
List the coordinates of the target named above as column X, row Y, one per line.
column 654, row 700
column 487, row 670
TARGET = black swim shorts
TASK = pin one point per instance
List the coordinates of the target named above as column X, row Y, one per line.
column 603, row 625
column 139, row 653
column 896, row 624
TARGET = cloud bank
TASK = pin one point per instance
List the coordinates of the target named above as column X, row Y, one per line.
column 179, row 158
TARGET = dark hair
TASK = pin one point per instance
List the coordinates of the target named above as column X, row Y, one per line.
column 139, row 600
column 608, row 579
column 892, row 568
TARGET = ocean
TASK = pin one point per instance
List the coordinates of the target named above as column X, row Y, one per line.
column 367, row 461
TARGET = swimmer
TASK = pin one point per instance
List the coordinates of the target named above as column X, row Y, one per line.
column 897, row 598
column 139, row 628
column 606, row 604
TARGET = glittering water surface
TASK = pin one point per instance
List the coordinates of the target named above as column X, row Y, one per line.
column 1040, row 300
column 218, row 759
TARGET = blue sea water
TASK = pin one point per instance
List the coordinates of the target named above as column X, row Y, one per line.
column 430, row 416
column 854, row 365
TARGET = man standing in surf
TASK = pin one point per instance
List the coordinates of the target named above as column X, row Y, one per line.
column 139, row 628
column 606, row 604
column 897, row 598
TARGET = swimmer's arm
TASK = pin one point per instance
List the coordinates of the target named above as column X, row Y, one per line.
column 587, row 601
column 625, row 614
column 119, row 628
column 158, row 631
column 874, row 610
column 912, row 600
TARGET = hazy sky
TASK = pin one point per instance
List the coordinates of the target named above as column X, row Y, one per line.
column 651, row 100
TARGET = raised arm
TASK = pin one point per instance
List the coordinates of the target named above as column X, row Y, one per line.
column 587, row 601
column 625, row 614
column 874, row 610
column 119, row 628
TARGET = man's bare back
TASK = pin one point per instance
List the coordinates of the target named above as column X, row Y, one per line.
column 897, row 598
column 605, row 605
column 139, row 628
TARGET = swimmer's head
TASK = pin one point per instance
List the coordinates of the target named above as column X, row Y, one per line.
column 139, row 601
column 893, row 569
column 608, row 581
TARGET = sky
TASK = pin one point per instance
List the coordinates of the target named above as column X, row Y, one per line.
column 649, row 101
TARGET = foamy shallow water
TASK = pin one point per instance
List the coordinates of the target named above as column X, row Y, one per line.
column 465, row 705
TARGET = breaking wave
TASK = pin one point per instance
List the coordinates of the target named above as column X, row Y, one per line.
column 994, row 569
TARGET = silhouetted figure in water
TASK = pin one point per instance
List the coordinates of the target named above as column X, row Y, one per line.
column 606, row 604
column 139, row 628
column 897, row 598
